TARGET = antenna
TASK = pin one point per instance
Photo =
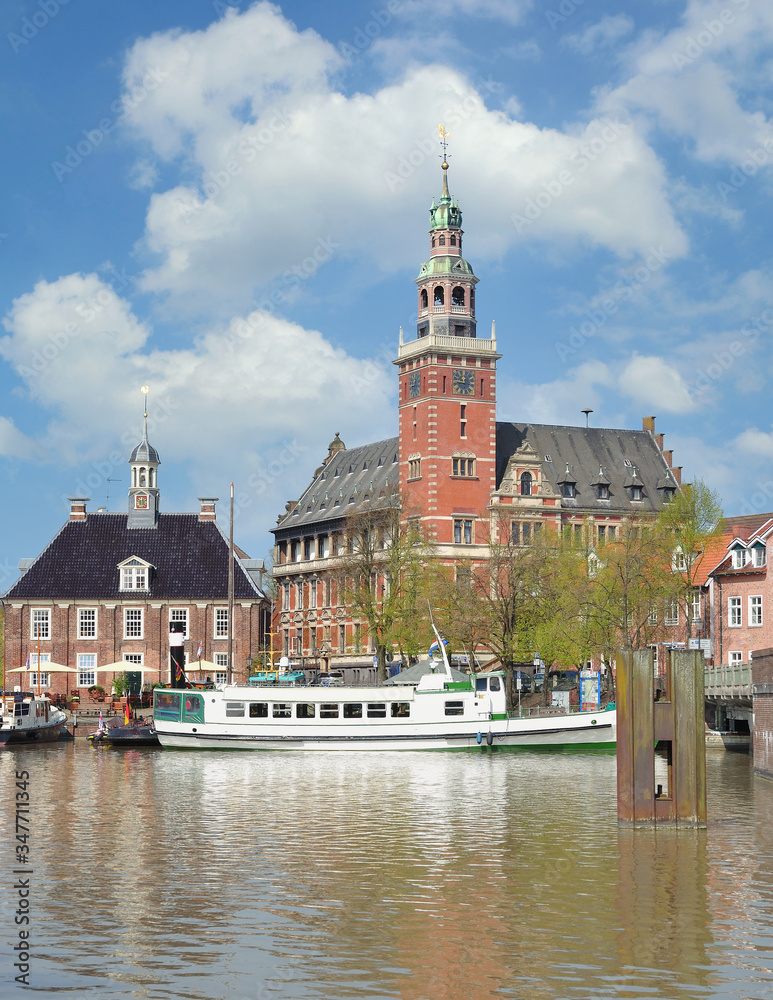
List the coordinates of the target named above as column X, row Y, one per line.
column 107, row 493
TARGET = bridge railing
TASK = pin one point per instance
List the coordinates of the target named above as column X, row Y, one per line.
column 729, row 679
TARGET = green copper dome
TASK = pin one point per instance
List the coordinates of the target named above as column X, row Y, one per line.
column 445, row 265
column 445, row 215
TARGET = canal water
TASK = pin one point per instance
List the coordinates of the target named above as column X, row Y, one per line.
column 206, row 874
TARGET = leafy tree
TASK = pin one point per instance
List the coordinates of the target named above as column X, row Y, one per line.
column 689, row 521
column 379, row 573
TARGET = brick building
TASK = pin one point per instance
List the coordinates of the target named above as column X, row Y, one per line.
column 469, row 476
column 107, row 586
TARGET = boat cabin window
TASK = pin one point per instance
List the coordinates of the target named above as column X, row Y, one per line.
column 304, row 710
column 454, row 708
column 194, row 708
column 377, row 711
column 480, row 683
column 328, row 711
column 352, row 711
column 234, row 709
column 494, row 684
column 401, row 709
column 21, row 708
column 258, row 710
column 167, row 706
column 282, row 710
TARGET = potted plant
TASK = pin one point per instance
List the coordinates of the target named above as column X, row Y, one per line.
column 97, row 692
column 121, row 685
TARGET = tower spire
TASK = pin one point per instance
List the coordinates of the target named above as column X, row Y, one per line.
column 445, row 135
column 143, row 492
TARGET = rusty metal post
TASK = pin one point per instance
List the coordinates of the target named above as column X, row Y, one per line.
column 675, row 723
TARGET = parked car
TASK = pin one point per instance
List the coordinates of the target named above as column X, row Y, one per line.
column 525, row 680
column 332, row 678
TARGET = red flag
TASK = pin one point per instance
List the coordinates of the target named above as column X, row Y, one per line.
column 128, row 715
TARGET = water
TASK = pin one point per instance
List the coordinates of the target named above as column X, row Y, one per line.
column 173, row 874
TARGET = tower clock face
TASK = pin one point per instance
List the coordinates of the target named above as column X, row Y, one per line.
column 463, row 382
column 414, row 384
column 140, row 502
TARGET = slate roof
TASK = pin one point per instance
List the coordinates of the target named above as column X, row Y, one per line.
column 585, row 449
column 348, row 483
column 80, row 563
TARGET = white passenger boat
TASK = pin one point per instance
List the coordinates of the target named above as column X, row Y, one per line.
column 29, row 718
column 438, row 713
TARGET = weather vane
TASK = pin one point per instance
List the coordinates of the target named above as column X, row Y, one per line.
column 445, row 135
column 145, row 390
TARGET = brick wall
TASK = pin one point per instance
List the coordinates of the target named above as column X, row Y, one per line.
column 109, row 645
column 762, row 704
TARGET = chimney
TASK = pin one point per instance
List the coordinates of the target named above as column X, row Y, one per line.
column 207, row 512
column 677, row 474
column 659, row 440
column 78, row 508
column 648, row 424
column 669, row 457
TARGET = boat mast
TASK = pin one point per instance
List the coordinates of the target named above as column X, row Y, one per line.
column 231, row 590
column 441, row 643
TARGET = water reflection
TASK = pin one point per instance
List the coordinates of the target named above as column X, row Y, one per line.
column 194, row 875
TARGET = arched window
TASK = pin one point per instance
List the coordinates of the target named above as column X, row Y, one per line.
column 442, row 241
column 440, row 295
column 142, row 477
column 424, row 299
column 433, row 241
column 457, row 296
column 472, row 300
column 525, row 484
column 453, row 241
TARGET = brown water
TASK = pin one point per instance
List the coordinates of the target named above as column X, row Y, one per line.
column 207, row 874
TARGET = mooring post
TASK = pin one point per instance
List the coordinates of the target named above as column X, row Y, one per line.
column 672, row 719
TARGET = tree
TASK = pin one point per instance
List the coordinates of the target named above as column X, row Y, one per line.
column 689, row 521
column 380, row 571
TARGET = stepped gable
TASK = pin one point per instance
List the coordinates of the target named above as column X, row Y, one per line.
column 586, row 450
column 189, row 556
column 347, row 483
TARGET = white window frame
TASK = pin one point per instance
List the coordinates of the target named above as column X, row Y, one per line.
column 221, row 623
column 87, row 671
column 82, row 620
column 735, row 658
column 221, row 661
column 134, row 574
column 181, row 615
column 135, row 615
column 697, row 605
column 286, row 596
column 734, row 611
column 44, row 675
column 755, row 610
column 739, row 558
column 135, row 659
column 40, row 624
column 312, row 594
column 672, row 613
column 759, row 555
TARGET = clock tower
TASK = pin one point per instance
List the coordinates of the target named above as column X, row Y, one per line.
column 144, row 493
column 447, row 397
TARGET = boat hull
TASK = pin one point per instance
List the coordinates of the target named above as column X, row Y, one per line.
column 580, row 731
column 37, row 734
column 127, row 736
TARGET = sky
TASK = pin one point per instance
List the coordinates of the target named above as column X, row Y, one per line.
column 228, row 203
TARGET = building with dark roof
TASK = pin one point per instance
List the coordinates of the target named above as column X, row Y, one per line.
column 106, row 588
column 465, row 475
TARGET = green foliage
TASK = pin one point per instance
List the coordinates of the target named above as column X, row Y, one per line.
column 121, row 684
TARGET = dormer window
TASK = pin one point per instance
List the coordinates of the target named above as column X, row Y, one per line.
column 758, row 555
column 739, row 558
column 134, row 574
column 636, row 493
column 526, row 484
column 568, row 490
column 602, row 492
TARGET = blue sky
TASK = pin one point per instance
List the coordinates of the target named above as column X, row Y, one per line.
column 228, row 203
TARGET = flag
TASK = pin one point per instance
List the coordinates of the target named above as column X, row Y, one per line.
column 28, row 662
column 178, row 676
column 101, row 726
column 198, row 654
column 435, row 647
column 128, row 716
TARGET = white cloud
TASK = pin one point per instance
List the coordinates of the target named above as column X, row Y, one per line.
column 653, row 383
column 248, row 106
column 508, row 11
column 244, row 395
column 754, row 442
column 558, row 402
column 609, row 30
column 143, row 174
